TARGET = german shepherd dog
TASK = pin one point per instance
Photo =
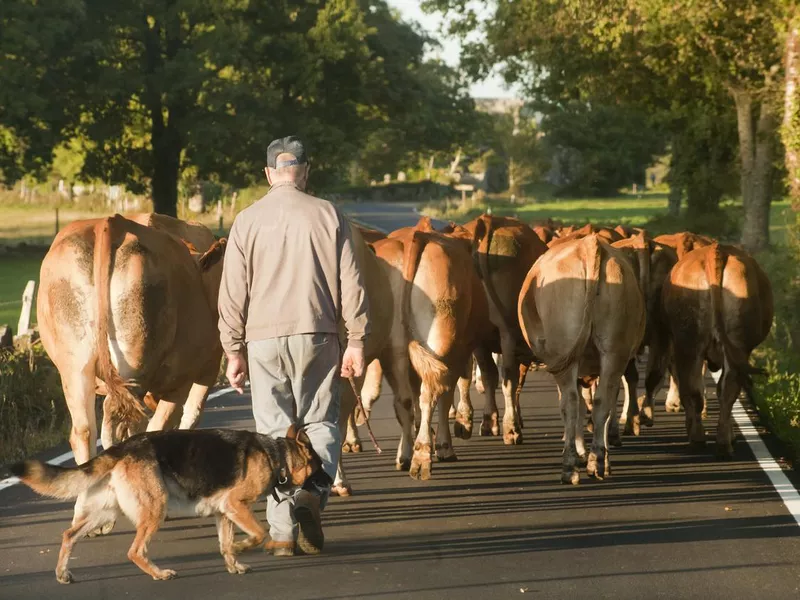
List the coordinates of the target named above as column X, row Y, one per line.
column 205, row 472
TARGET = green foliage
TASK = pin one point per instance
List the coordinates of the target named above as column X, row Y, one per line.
column 778, row 396
column 33, row 412
column 599, row 149
column 154, row 89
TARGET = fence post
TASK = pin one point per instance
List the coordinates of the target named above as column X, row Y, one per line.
column 24, row 325
column 219, row 214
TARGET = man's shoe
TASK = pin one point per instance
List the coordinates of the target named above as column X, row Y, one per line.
column 310, row 538
column 280, row 548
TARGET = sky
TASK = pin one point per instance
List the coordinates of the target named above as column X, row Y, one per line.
column 494, row 87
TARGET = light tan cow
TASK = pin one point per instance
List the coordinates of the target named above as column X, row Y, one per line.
column 606, row 233
column 505, row 250
column 719, row 306
column 128, row 306
column 582, row 313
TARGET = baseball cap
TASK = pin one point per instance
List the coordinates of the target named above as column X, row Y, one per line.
column 286, row 145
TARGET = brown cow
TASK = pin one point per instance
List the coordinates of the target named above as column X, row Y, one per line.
column 606, row 233
column 582, row 313
column 382, row 314
column 443, row 319
column 718, row 303
column 683, row 243
column 133, row 306
column 653, row 262
column 505, row 250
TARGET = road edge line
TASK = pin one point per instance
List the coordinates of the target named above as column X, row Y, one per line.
column 778, row 479
column 62, row 458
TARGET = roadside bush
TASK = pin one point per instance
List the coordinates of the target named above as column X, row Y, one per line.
column 778, row 395
column 33, row 412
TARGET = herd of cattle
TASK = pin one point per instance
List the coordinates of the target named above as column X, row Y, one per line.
column 127, row 309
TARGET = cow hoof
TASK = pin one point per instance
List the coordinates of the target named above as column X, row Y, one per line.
column 65, row 577
column 590, row 426
column 632, row 427
column 512, row 438
column 724, row 452
column 581, row 460
column 356, row 447
column 445, row 453
column 570, row 477
column 346, row 448
column 451, row 414
column 489, row 428
column 672, row 408
column 646, row 416
column 420, row 470
column 462, row 431
column 594, row 468
column 342, row 490
column 615, row 440
column 697, row 446
column 404, row 464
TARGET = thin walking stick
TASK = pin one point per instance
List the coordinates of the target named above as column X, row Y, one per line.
column 366, row 417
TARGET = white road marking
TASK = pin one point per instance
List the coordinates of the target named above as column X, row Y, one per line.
column 62, row 458
column 781, row 483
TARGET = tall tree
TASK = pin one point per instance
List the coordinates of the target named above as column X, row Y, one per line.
column 154, row 88
column 660, row 54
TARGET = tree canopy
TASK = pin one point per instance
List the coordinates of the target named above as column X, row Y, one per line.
column 154, row 89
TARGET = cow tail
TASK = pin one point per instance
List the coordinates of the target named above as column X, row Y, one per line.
column 593, row 262
column 429, row 366
column 121, row 402
column 63, row 482
column 734, row 356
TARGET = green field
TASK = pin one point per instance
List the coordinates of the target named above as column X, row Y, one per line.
column 15, row 271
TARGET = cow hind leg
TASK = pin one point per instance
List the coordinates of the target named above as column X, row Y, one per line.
column 341, row 486
column 398, row 377
column 569, row 412
column 603, row 410
column 633, row 418
column 462, row 427
column 194, row 406
column 512, row 430
column 444, row 443
column 729, row 387
column 370, row 391
column 689, row 376
column 490, row 376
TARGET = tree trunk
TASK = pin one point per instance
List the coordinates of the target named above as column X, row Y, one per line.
column 166, row 168
column 756, row 154
column 791, row 109
column 456, row 161
column 674, row 200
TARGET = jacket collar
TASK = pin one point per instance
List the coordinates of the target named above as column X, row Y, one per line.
column 283, row 184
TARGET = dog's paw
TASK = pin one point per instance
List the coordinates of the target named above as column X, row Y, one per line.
column 239, row 569
column 65, row 577
column 165, row 574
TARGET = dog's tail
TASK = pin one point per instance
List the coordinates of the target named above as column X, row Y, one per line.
column 64, row 483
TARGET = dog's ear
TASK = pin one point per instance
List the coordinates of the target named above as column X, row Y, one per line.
column 291, row 433
column 302, row 438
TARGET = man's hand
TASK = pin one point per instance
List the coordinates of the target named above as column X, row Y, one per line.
column 353, row 362
column 237, row 371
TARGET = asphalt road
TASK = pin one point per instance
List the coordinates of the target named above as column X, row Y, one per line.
column 496, row 524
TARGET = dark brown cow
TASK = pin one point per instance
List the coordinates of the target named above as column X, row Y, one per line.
column 505, row 250
column 718, row 303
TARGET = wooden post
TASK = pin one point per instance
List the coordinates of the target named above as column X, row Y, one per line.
column 219, row 213
column 56, row 220
column 24, row 325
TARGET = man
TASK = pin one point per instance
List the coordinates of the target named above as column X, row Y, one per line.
column 290, row 273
